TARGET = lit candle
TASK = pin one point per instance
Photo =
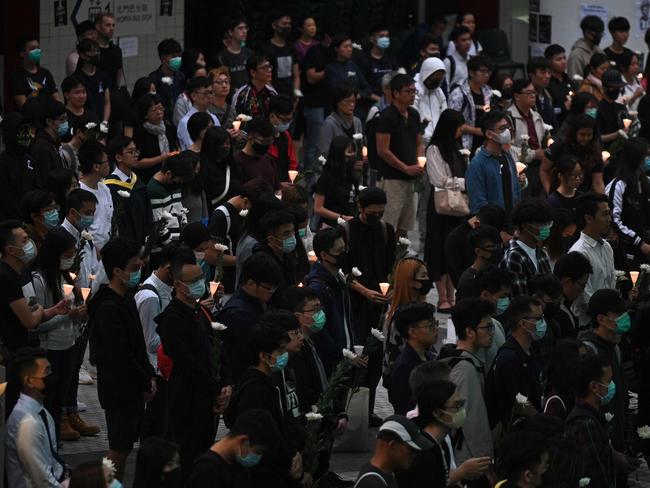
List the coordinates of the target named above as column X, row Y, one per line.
column 550, row 141
column 214, row 286
column 520, row 167
column 639, row 76
column 626, row 123
column 384, row 288
column 84, row 293
column 422, row 161
column 571, row 94
column 364, row 151
column 236, row 124
column 605, row 155
column 300, row 285
column 634, row 275
column 311, row 255
column 67, row 290
column 292, row 175
column 73, row 276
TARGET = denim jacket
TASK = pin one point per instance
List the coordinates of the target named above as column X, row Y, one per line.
column 484, row 184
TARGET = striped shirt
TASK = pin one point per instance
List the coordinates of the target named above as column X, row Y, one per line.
column 166, row 200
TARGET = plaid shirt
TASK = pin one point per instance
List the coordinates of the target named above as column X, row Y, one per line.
column 521, row 268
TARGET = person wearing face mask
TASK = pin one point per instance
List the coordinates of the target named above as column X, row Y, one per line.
column 430, row 100
column 525, row 256
column 525, row 460
column 197, row 237
column 280, row 53
column 32, row 458
column 125, row 377
column 81, row 206
column 94, row 165
column 195, row 395
column 610, row 112
column 266, row 354
column 492, row 176
column 517, row 368
column 281, row 113
column 228, row 461
column 560, row 85
column 428, row 47
column 157, row 464
column 586, row 424
column 417, row 325
column 41, row 214
column 592, row 32
column 254, row 160
column 610, row 320
column 31, row 80
column 377, row 62
column 95, row 80
column 486, row 244
column 573, row 270
column 45, row 148
column 169, row 52
column 547, row 288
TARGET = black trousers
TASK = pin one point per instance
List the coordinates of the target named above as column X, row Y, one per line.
column 62, row 364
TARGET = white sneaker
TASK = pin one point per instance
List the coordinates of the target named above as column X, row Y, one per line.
column 84, row 378
column 81, row 406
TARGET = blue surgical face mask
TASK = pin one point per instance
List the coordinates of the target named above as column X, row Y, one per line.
column 134, row 279
column 51, row 218
column 646, row 164
column 29, row 250
column 383, row 42
column 197, row 288
column 502, row 305
column 623, row 323
column 175, row 63
column 280, row 362
column 86, row 221
column 289, row 244
column 609, row 396
column 283, row 127
column 249, row 460
column 592, row 112
column 302, row 233
column 116, row 484
column 242, row 43
column 540, row 328
column 35, row 55
column 63, row 128
column 319, row 321
column 544, row 233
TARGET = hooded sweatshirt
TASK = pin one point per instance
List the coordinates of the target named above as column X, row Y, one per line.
column 430, row 103
column 579, row 58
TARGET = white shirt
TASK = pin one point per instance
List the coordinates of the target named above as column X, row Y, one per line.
column 101, row 228
column 121, row 174
column 459, row 70
column 89, row 261
column 184, row 139
column 149, row 307
column 451, row 48
column 530, row 251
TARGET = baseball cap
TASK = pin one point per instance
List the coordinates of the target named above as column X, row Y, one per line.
column 607, row 300
column 404, row 430
column 613, row 78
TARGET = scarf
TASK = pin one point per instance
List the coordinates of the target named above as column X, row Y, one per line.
column 161, row 132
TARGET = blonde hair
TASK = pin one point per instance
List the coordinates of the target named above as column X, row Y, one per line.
column 403, row 277
column 215, row 72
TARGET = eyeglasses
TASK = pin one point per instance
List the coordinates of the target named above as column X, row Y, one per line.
column 133, row 152
column 490, row 327
column 206, row 92
column 266, row 67
column 269, row 288
column 295, row 333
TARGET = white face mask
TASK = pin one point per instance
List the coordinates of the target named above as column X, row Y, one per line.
column 66, row 263
column 502, row 138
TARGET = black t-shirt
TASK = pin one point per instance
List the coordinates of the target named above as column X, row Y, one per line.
column 96, row 85
column 12, row 331
column 557, row 200
column 110, row 62
column 610, row 117
column 615, row 57
column 32, row 84
column 379, row 479
column 559, row 149
column 374, row 69
column 210, row 469
column 559, row 89
column 236, row 64
column 339, row 196
column 282, row 59
column 316, row 94
column 403, row 136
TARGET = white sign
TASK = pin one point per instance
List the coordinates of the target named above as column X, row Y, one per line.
column 642, row 14
column 134, row 17
column 601, row 11
column 129, row 46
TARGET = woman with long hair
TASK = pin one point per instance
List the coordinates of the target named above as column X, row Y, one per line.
column 157, row 464
column 598, row 64
column 142, row 86
column 411, row 284
column 632, row 91
column 568, row 171
column 582, row 103
column 220, row 173
column 335, row 193
column 445, row 170
column 629, row 197
column 584, row 144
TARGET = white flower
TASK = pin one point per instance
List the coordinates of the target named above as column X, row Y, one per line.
column 243, row 212
column 352, row 74
column 244, row 117
column 218, row 326
column 124, row 193
column 361, row 187
column 404, row 241
column 645, row 268
column 584, row 482
column 109, row 469
column 548, row 127
column 619, row 273
column 464, row 152
column 524, row 137
column 322, row 159
column 497, row 93
column 297, row 93
column 167, row 80
column 340, row 221
column 87, row 236
column 358, row 136
column 377, row 334
column 220, row 247
column 356, row 272
column 313, row 416
column 644, row 432
column 91, row 125
column 609, row 416
column 347, row 354
column 401, row 71
column 521, row 399
column 103, row 127
column 356, row 46
column 578, row 77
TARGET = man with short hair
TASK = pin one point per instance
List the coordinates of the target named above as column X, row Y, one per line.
column 125, row 378
column 235, row 53
column 619, row 28
column 592, row 28
column 32, row 458
column 281, row 54
column 95, row 80
column 30, row 80
column 399, row 143
column 169, row 52
column 83, row 30
column 254, row 159
column 525, row 460
column 278, row 232
column 128, row 191
column 525, row 256
column 539, row 72
column 559, row 86
column 110, row 54
column 573, row 270
column 281, row 113
column 398, row 440
column 610, row 112
column 417, row 325
column 456, row 62
column 486, row 244
column 200, row 91
column 94, row 165
column 45, row 148
column 376, row 62
column 253, row 98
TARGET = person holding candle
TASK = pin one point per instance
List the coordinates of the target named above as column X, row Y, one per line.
column 610, row 112
column 593, row 83
column 632, row 91
column 559, row 86
column 57, row 335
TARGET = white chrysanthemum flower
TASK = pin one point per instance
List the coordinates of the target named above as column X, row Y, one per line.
column 619, row 273
column 220, row 247
column 644, row 432
column 401, row 70
column 91, row 125
column 524, row 137
column 497, row 93
column 124, row 193
column 109, row 469
column 584, row 482
column 244, row 117
column 167, row 80
column 645, row 268
column 361, row 187
column 313, row 416
column 404, row 241
column 218, row 326
column 548, row 127
column 243, row 213
column 577, row 77
column 322, row 159
column 357, row 136
column 87, row 236
column 103, row 127
column 377, row 334
column 297, row 93
column 356, row 272
column 357, row 46
column 521, row 399
column 464, row 152
column 347, row 354
column 340, row 221
column 609, row 416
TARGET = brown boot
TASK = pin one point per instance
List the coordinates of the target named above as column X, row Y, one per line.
column 68, row 433
column 81, row 426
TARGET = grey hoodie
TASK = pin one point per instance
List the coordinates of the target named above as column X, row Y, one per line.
column 581, row 54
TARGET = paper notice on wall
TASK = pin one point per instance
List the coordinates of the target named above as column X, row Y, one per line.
column 642, row 17
column 129, row 46
column 601, row 11
column 134, row 17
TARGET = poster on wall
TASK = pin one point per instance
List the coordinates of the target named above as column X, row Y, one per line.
column 88, row 10
column 601, row 11
column 533, row 6
column 544, row 29
column 60, row 13
column 166, row 8
column 134, row 17
column 642, row 15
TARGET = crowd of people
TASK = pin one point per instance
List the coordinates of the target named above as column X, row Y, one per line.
column 229, row 241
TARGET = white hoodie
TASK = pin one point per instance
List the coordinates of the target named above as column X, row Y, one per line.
column 429, row 103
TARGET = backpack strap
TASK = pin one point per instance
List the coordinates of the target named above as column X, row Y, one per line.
column 225, row 212
column 452, row 70
column 225, row 189
column 370, row 473
column 150, row 287
column 591, row 346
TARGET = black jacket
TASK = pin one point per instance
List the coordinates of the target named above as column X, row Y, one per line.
column 459, row 254
column 137, row 219
column 45, row 157
column 399, row 391
column 18, row 175
column 117, row 345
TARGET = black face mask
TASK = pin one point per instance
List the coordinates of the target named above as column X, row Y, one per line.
column 613, row 93
column 350, row 160
column 342, row 260
column 496, row 256
column 261, row 149
column 432, row 83
column 50, row 383
column 373, row 219
column 506, row 93
column 426, row 286
column 94, row 60
column 284, row 31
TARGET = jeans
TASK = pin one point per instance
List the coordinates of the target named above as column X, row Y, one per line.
column 314, row 116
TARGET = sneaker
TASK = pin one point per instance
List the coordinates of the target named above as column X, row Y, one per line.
column 85, row 378
column 81, row 406
column 81, row 426
column 68, row 433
